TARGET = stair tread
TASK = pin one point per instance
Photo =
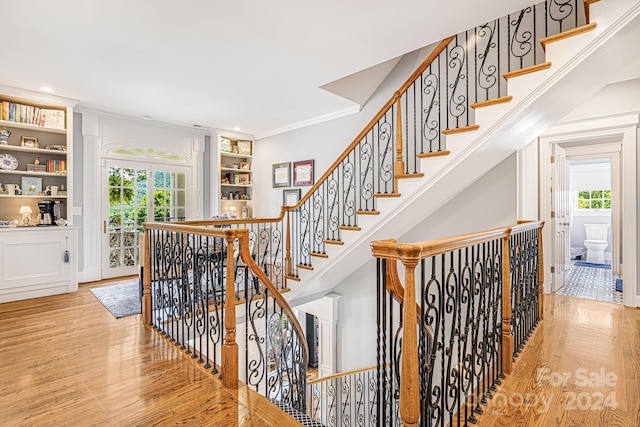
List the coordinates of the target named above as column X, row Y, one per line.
column 409, row 175
column 469, row 128
column 527, row 70
column 433, row 154
column 319, row 255
column 304, row 266
column 349, row 227
column 387, row 195
column 567, row 34
column 297, row 279
column 493, row 101
column 368, row 212
column 334, row 242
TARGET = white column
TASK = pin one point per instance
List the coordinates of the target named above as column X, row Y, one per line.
column 90, row 216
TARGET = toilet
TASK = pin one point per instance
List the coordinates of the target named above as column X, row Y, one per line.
column 596, row 242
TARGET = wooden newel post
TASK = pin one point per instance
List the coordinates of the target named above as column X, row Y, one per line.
column 146, row 279
column 507, row 337
column 410, row 375
column 540, row 274
column 230, row 347
column 398, row 165
column 287, row 258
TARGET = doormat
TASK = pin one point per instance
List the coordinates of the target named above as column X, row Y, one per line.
column 121, row 299
column 588, row 264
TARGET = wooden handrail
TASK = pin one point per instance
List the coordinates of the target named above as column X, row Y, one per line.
column 423, row 66
column 341, row 374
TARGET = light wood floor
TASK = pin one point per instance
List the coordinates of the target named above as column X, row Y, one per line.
column 66, row 361
column 581, row 367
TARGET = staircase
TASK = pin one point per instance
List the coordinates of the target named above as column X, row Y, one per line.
column 577, row 63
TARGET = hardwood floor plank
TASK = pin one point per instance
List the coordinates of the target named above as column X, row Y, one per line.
column 67, row 361
column 581, row 367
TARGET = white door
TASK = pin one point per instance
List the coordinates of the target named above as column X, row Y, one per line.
column 561, row 217
column 126, row 189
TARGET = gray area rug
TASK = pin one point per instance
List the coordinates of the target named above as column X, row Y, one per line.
column 121, row 299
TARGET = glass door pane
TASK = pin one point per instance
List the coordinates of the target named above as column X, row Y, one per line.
column 128, row 210
column 170, row 196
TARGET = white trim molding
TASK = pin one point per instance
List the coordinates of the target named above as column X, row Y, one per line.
column 314, row 121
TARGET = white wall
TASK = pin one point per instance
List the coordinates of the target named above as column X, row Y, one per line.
column 488, row 203
column 322, row 142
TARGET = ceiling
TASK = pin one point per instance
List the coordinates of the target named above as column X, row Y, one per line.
column 257, row 65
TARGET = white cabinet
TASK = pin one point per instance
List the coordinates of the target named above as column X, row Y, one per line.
column 38, row 153
column 37, row 262
column 235, row 174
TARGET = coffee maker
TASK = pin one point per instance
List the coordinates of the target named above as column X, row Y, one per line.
column 49, row 212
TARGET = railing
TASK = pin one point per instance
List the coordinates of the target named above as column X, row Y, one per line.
column 197, row 281
column 344, row 399
column 446, row 349
column 462, row 71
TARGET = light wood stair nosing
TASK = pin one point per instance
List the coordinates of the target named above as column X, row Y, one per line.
column 493, row 101
column 409, row 175
column 384, row 195
column 305, row 267
column 527, row 70
column 349, row 227
column 368, row 212
column 567, row 34
column 319, row 255
column 333, row 242
column 433, row 154
column 469, row 128
column 297, row 279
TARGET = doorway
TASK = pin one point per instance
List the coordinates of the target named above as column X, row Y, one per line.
column 617, row 134
column 593, row 218
column 136, row 192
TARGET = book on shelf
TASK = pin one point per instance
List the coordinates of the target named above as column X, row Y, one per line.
column 32, row 115
column 36, row 168
column 225, row 145
column 57, row 166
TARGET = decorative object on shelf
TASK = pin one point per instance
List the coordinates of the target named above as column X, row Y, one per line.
column 245, row 166
column 281, row 176
column 244, row 147
column 36, row 161
column 232, row 212
column 290, row 197
column 4, row 136
column 13, row 189
column 56, row 147
column 303, row 172
column 36, row 168
column 54, row 190
column 7, row 224
column 225, row 145
column 61, row 222
column 26, row 212
column 32, row 186
column 54, row 119
column 29, row 141
column 8, row 162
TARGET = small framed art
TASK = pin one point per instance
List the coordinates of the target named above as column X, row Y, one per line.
column 29, row 141
column 31, row 186
column 303, row 172
column 290, row 197
column 281, row 175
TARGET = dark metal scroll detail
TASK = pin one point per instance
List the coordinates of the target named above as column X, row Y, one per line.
column 348, row 400
column 524, row 268
column 460, row 335
column 188, row 280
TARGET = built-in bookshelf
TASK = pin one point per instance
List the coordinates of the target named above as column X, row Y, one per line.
column 235, row 175
column 36, row 138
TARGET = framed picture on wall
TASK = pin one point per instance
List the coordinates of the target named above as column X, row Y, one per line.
column 290, row 197
column 281, row 175
column 303, row 172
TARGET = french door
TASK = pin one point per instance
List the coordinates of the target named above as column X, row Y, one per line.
column 561, row 222
column 135, row 193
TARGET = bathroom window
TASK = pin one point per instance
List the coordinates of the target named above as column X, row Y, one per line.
column 594, row 199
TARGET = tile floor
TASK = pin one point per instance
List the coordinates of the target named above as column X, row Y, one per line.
column 591, row 283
